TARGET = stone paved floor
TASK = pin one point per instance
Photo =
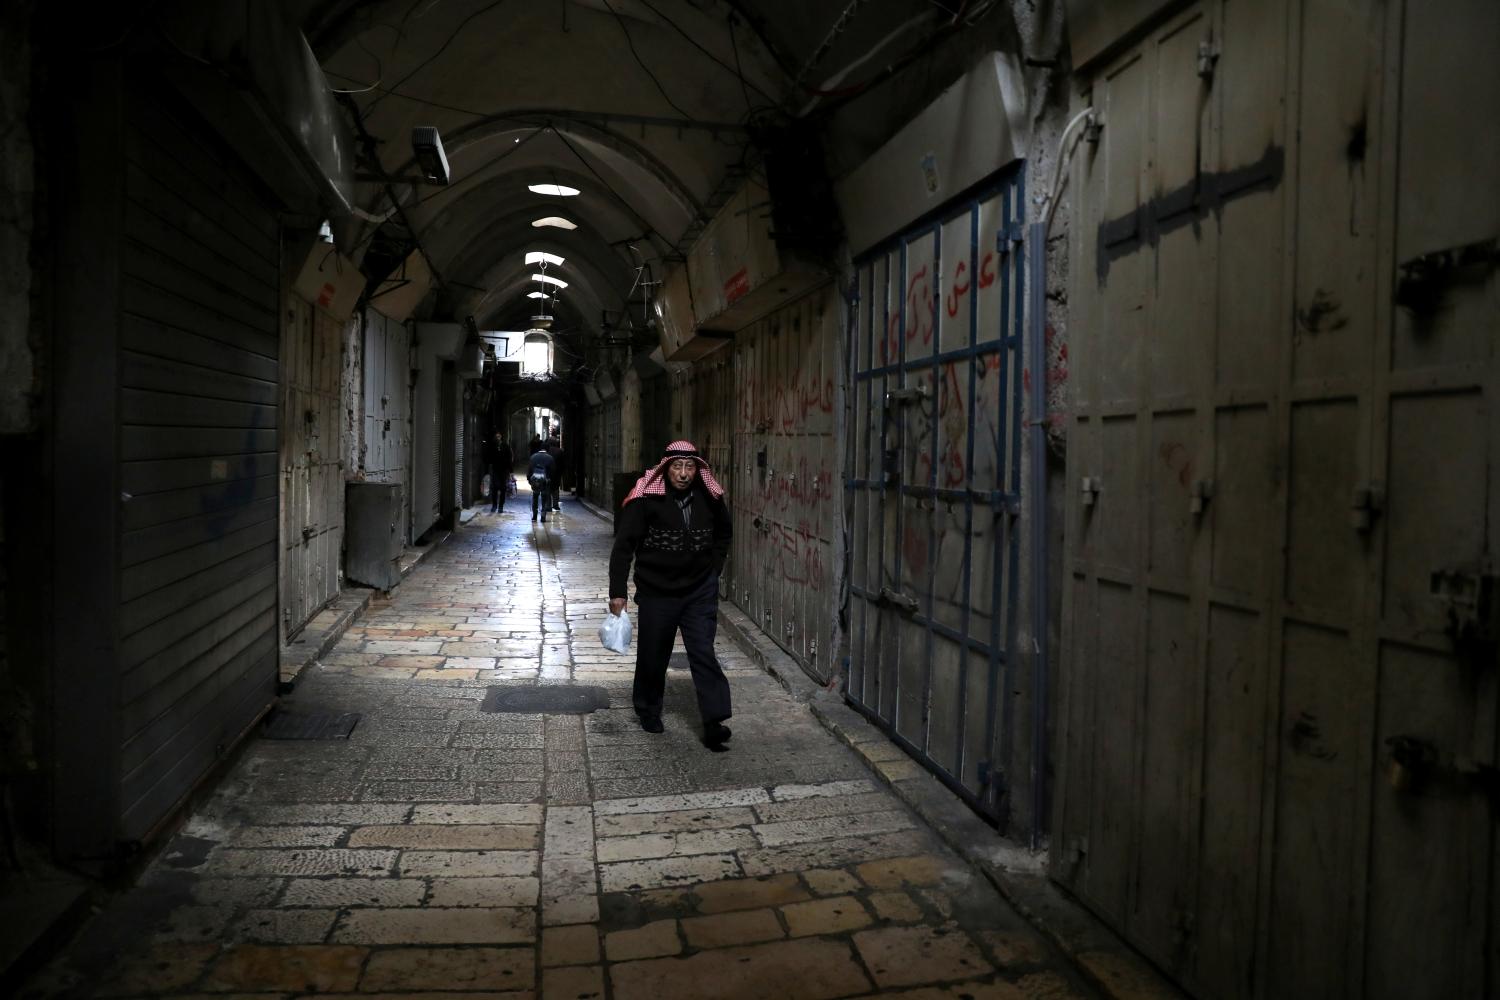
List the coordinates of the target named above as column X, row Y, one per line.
column 443, row 851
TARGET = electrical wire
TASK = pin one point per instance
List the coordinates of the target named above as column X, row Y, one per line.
column 379, row 69
column 607, row 186
column 631, row 43
column 828, row 87
column 735, row 45
column 584, row 116
column 440, row 49
column 716, row 60
column 359, row 90
column 844, row 95
column 837, row 28
column 1061, row 160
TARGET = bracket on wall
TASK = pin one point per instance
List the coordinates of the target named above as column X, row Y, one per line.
column 908, row 394
column 1089, row 488
column 892, row 598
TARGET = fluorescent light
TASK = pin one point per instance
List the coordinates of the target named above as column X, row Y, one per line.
column 536, row 295
column 538, row 257
column 555, row 190
column 555, row 221
column 547, row 279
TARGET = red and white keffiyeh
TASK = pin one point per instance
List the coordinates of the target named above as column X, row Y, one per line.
column 654, row 482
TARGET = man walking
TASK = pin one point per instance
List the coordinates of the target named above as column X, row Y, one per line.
column 554, row 448
column 500, row 460
column 539, row 472
column 676, row 527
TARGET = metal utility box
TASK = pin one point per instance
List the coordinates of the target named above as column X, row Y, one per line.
column 372, row 534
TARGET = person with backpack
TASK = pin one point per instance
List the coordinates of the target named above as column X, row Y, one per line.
column 540, row 472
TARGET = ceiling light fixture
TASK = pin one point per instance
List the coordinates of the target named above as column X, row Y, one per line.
column 536, row 295
column 549, row 280
column 555, row 221
column 554, row 190
column 541, row 257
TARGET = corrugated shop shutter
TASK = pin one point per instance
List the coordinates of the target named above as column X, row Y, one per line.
column 198, row 370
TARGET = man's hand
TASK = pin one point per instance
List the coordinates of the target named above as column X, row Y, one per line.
column 616, row 605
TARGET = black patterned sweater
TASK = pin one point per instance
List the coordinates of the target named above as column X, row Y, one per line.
column 673, row 555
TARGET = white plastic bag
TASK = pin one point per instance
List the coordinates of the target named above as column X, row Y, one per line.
column 484, row 485
column 615, row 632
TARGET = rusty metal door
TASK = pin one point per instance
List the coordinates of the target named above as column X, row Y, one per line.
column 934, row 487
column 1279, row 690
column 312, row 478
column 1437, row 446
column 387, row 420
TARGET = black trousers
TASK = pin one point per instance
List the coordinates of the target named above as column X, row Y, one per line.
column 499, row 476
column 658, row 619
column 540, row 496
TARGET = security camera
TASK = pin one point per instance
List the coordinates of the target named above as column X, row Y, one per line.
column 427, row 147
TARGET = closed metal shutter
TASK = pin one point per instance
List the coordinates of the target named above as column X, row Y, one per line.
column 199, row 374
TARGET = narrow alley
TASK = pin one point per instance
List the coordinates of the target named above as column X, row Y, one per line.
column 444, row 848
column 1078, row 417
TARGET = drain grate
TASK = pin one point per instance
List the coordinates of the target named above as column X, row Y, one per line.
column 548, row 699
column 284, row 725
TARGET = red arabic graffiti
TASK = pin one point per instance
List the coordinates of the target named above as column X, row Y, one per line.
column 961, row 287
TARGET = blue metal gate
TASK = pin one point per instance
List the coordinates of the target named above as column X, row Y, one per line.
column 934, row 488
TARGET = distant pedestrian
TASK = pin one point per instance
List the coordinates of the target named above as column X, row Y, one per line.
column 676, row 528
column 500, row 461
column 554, row 448
column 535, row 445
column 539, row 472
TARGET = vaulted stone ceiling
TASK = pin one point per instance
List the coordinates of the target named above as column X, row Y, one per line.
column 652, row 109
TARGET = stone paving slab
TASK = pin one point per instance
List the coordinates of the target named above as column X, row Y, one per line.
column 443, row 851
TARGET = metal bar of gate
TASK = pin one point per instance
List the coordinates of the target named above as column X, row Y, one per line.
column 961, row 736
column 997, row 533
column 891, row 367
column 1013, row 543
column 885, row 348
column 900, row 519
column 1036, row 329
column 932, row 475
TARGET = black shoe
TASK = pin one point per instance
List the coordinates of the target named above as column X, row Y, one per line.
column 533, row 519
column 715, row 735
column 652, row 724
